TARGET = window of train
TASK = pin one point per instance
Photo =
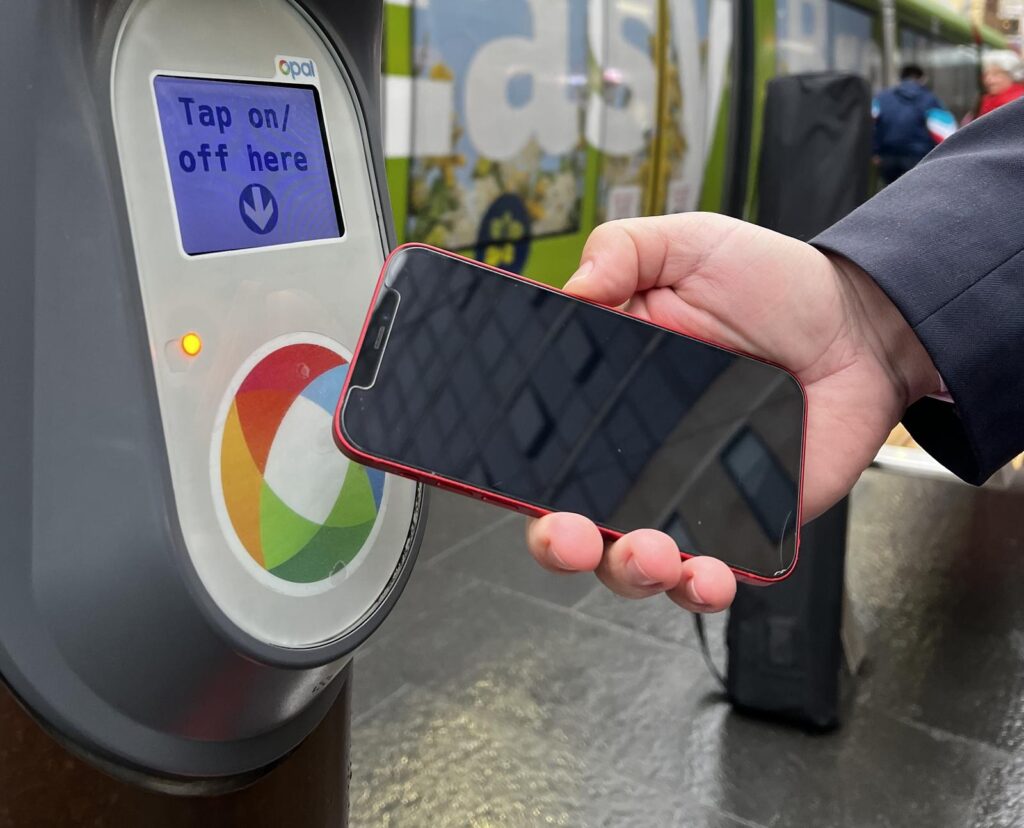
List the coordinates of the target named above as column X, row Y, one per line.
column 622, row 111
column 952, row 68
column 814, row 35
column 498, row 102
column 697, row 72
column 853, row 46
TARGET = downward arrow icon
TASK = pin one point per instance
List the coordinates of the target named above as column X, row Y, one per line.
column 259, row 208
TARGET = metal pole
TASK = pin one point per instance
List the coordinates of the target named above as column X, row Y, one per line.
column 890, row 70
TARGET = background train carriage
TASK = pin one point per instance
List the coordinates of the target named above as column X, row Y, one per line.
column 514, row 127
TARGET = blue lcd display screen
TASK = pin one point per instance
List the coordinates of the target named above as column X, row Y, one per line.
column 248, row 163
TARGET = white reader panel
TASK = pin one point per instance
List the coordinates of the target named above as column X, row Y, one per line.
column 257, row 233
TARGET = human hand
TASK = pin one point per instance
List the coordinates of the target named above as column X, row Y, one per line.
column 768, row 295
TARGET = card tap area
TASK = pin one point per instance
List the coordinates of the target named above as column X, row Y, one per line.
column 188, row 561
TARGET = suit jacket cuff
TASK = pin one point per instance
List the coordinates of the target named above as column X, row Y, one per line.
column 944, row 242
column 967, row 341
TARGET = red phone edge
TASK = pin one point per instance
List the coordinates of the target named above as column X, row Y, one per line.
column 458, row 487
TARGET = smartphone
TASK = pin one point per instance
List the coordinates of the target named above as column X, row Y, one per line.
column 488, row 384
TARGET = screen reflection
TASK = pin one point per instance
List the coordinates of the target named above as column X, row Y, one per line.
column 522, row 391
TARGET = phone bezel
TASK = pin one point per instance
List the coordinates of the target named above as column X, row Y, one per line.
column 466, row 489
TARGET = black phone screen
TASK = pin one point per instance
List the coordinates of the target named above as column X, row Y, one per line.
column 523, row 391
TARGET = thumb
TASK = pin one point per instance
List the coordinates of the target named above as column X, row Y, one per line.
column 622, row 258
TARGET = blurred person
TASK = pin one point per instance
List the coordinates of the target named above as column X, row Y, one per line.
column 908, row 308
column 909, row 122
column 1001, row 74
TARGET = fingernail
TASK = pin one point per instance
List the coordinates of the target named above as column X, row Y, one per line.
column 581, row 272
column 558, row 560
column 637, row 576
column 693, row 594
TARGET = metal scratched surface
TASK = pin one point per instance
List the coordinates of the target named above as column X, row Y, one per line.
column 498, row 694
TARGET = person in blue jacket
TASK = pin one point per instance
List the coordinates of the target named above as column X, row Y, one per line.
column 909, row 122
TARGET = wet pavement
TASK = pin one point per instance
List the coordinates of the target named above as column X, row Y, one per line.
column 500, row 694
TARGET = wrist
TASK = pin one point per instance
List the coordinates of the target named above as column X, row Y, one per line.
column 887, row 334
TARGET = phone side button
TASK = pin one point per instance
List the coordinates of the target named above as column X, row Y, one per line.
column 445, row 486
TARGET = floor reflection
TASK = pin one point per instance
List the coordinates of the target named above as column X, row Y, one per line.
column 500, row 694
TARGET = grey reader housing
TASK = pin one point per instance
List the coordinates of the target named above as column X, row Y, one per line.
column 192, row 230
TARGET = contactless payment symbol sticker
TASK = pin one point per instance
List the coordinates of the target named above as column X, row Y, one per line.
column 300, row 509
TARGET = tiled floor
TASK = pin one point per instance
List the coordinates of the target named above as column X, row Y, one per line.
column 499, row 694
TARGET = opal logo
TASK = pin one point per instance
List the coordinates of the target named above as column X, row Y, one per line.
column 299, row 508
column 295, row 68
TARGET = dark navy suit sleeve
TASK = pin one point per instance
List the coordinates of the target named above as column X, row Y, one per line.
column 945, row 243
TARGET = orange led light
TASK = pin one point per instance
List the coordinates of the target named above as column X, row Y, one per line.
column 191, row 344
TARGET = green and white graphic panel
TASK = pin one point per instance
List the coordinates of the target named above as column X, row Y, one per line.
column 695, row 78
column 814, row 35
column 491, row 118
column 513, row 127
